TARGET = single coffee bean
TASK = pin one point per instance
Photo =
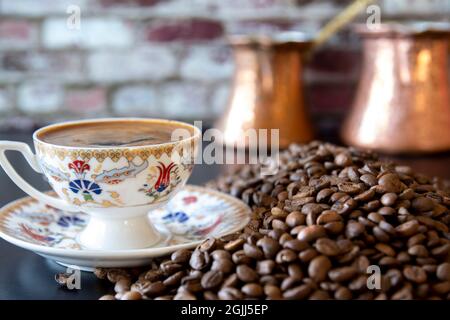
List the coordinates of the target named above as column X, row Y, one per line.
column 369, row 179
column 423, row 204
column 279, row 213
column 265, row 267
column 246, row 274
column 131, row 295
column 327, row 247
column 418, row 250
column 208, row 245
column 169, row 267
column 343, row 159
column 184, row 295
column 366, row 195
column 349, row 187
column 441, row 250
column 298, row 293
column 174, row 279
column 295, row 271
column 404, row 293
column 375, row 217
column 443, row 271
column 408, row 228
column 239, row 257
column 342, row 274
column 115, row 275
column 289, row 282
column 343, row 293
column 387, row 227
column 311, row 233
column 199, row 260
column 181, row 256
column 100, row 273
column 234, row 245
column 296, row 245
column 231, row 281
column 390, row 183
column 211, row 279
column 107, row 297
column 334, row 228
column 388, row 199
column 416, row 239
column 269, row 246
column 385, row 249
column 253, row 251
column 386, row 211
column 224, row 265
column 220, row 254
column 354, row 229
column 153, row 289
column 308, row 254
column 295, row 218
column 328, row 216
column 272, row 292
column 415, row 274
column 123, row 285
column 286, row 256
column 318, row 268
column 442, row 287
column 229, row 293
column 253, row 290
column 319, row 295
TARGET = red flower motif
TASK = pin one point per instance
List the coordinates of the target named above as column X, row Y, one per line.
column 164, row 176
column 79, row 166
column 189, row 200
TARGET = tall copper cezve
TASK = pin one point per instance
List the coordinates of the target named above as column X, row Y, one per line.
column 402, row 104
column 267, row 90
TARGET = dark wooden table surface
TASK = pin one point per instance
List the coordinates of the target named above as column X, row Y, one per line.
column 25, row 275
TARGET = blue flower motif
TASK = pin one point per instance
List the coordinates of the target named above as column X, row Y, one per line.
column 179, row 216
column 86, row 187
column 66, row 221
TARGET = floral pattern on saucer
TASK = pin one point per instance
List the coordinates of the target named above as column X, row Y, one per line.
column 195, row 213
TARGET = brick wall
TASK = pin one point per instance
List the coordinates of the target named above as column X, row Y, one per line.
column 162, row 58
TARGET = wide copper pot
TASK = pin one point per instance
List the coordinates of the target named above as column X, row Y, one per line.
column 402, row 104
column 267, row 89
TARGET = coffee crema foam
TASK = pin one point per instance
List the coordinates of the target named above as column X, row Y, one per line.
column 110, row 134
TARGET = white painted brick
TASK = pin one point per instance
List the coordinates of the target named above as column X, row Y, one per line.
column 6, row 100
column 145, row 63
column 36, row 8
column 415, row 7
column 17, row 34
column 93, row 33
column 207, row 63
column 135, row 101
column 184, row 100
column 36, row 97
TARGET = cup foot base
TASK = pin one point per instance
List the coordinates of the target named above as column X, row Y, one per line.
column 119, row 234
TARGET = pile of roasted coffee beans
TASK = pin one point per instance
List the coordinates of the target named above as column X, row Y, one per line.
column 320, row 228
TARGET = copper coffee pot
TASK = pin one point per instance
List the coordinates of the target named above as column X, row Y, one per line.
column 267, row 89
column 402, row 104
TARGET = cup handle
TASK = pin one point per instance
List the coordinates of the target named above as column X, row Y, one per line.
column 25, row 150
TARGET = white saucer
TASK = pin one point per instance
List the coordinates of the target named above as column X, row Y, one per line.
column 193, row 215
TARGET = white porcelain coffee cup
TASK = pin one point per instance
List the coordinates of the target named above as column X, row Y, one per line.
column 117, row 186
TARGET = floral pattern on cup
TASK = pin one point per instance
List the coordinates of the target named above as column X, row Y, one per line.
column 95, row 184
